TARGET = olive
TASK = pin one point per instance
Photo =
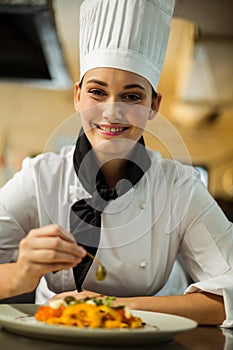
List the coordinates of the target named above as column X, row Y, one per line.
column 101, row 272
column 69, row 300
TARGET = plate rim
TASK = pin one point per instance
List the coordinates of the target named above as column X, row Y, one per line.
column 15, row 324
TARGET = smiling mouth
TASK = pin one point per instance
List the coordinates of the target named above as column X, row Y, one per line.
column 111, row 129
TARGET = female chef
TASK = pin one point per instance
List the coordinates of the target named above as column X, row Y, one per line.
column 122, row 202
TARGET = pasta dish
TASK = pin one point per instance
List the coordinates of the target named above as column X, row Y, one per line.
column 88, row 313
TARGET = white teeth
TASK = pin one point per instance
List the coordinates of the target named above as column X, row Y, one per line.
column 110, row 129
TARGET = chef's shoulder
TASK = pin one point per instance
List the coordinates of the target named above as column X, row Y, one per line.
column 173, row 170
column 50, row 160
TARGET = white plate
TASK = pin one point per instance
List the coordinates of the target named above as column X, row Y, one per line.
column 159, row 327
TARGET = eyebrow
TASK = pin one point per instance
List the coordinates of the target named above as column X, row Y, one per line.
column 133, row 86
column 96, row 81
column 128, row 86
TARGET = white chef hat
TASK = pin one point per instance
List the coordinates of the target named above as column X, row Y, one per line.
column 126, row 34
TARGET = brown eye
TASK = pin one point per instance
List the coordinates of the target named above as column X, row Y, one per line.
column 97, row 92
column 132, row 97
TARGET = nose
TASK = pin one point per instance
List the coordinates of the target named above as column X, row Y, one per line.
column 113, row 112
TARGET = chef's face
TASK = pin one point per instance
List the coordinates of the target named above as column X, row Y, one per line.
column 114, row 106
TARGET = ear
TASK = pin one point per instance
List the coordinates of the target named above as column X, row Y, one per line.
column 76, row 96
column 155, row 104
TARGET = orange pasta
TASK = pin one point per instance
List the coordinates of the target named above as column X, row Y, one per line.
column 88, row 313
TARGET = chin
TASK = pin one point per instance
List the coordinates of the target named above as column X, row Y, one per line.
column 111, row 149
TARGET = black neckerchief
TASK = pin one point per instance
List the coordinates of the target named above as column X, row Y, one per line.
column 85, row 214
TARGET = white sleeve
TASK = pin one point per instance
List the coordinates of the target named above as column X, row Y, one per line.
column 207, row 249
column 18, row 211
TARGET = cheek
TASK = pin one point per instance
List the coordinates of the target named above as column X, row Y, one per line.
column 85, row 102
column 86, row 120
column 138, row 117
column 89, row 116
column 85, row 105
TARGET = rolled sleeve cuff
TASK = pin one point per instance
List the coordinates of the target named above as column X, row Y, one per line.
column 221, row 285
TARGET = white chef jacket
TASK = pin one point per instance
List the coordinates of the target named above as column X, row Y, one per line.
column 168, row 213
